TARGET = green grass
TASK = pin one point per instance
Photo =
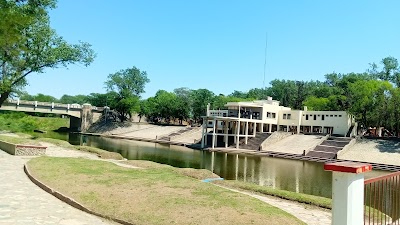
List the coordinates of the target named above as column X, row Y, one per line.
column 21, row 122
column 153, row 195
column 298, row 197
column 29, row 140
column 100, row 152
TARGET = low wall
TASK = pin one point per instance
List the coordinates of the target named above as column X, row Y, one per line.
column 7, row 147
column 25, row 150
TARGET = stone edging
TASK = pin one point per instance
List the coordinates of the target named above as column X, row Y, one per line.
column 68, row 200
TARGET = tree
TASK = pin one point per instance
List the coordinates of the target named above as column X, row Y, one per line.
column 317, row 104
column 98, row 99
column 39, row 97
column 79, row 99
column 201, row 98
column 128, row 84
column 29, row 45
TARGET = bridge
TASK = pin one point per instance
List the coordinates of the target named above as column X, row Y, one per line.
column 81, row 116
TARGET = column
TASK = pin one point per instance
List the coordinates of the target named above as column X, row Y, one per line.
column 234, row 131
column 202, row 135
column 226, row 134
column 270, row 127
column 237, row 134
column 261, row 127
column 347, row 192
column 213, row 136
column 246, row 133
column 254, row 129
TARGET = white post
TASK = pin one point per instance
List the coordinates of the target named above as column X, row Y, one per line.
column 254, row 129
column 347, row 192
column 270, row 127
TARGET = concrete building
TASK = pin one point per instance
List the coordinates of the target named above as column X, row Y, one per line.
column 245, row 119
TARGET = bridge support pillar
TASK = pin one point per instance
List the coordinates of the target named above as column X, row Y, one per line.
column 75, row 123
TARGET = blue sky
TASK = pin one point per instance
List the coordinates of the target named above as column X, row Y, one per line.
column 220, row 44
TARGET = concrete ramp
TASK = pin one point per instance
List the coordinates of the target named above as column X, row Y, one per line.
column 295, row 144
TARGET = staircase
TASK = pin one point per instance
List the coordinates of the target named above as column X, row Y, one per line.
column 328, row 149
column 253, row 143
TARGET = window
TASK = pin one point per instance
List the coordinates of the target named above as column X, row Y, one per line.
column 323, row 117
column 209, row 122
column 289, row 116
column 315, row 117
column 306, row 117
column 284, row 116
column 335, row 115
column 340, row 115
column 268, row 115
column 273, row 115
column 331, row 115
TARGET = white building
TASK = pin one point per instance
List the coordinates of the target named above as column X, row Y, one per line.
column 244, row 119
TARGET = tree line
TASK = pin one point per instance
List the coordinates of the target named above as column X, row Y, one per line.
column 29, row 45
column 372, row 96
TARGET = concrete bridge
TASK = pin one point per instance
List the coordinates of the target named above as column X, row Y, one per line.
column 81, row 116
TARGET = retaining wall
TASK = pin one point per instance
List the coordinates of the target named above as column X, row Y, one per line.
column 25, row 150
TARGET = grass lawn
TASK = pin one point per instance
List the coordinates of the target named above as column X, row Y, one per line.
column 155, row 194
column 298, row 197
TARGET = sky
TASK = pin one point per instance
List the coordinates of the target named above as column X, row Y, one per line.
column 219, row 44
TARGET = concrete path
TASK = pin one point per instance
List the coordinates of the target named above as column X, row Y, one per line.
column 24, row 203
column 308, row 214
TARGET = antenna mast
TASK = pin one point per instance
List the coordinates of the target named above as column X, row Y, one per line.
column 265, row 57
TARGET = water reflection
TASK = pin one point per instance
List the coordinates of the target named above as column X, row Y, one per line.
column 292, row 175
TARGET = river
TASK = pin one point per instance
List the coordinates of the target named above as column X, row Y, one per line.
column 292, row 175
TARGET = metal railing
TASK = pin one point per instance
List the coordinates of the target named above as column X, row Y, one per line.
column 382, row 199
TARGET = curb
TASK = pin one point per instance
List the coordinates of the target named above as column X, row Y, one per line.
column 68, row 200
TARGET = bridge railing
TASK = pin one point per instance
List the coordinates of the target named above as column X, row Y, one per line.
column 382, row 199
column 51, row 104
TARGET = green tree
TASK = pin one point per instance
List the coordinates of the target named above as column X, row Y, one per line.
column 128, row 84
column 201, row 97
column 39, row 97
column 29, row 45
column 317, row 104
column 367, row 98
column 257, row 93
column 70, row 99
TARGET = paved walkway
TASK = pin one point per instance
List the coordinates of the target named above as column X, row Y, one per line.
column 308, row 214
column 24, row 203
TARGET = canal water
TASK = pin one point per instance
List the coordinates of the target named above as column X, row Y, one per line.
column 292, row 175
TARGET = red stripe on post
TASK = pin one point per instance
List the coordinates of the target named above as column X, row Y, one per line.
column 348, row 167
